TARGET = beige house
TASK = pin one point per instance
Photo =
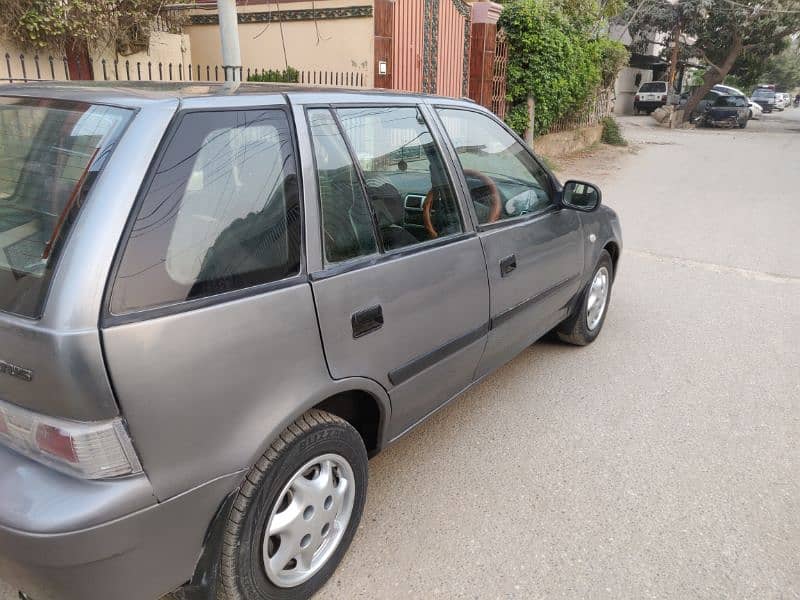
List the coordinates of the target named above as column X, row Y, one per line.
column 321, row 36
column 435, row 46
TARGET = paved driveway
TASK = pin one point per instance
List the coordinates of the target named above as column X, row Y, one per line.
column 661, row 462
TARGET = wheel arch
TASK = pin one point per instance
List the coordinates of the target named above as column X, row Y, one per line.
column 363, row 411
column 342, row 399
column 613, row 249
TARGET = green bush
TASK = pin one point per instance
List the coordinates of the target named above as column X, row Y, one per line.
column 288, row 75
column 611, row 133
column 550, row 59
column 613, row 55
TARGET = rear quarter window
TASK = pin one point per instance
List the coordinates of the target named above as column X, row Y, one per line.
column 221, row 212
column 51, row 152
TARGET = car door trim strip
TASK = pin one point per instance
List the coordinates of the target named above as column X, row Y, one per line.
column 371, row 260
column 509, row 313
column 419, row 364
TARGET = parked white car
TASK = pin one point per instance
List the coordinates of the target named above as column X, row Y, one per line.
column 755, row 109
column 726, row 89
column 780, row 101
column 650, row 96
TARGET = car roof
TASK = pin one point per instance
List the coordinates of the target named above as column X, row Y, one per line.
column 136, row 93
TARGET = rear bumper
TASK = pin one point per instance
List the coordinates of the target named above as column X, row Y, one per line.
column 648, row 105
column 143, row 554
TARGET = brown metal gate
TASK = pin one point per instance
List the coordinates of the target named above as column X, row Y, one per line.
column 452, row 60
column 499, row 75
column 431, row 46
column 408, row 45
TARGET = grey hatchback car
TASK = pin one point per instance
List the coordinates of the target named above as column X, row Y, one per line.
column 216, row 304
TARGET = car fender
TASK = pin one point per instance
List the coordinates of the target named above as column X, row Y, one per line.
column 336, row 386
column 600, row 227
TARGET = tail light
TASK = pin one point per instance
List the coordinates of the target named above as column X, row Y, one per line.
column 664, row 97
column 636, row 97
column 91, row 450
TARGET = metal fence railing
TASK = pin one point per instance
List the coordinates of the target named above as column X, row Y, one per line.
column 592, row 113
column 22, row 68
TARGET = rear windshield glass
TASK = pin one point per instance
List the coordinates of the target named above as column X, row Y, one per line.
column 50, row 153
column 654, row 86
column 731, row 101
column 763, row 94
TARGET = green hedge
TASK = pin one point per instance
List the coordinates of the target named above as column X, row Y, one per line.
column 557, row 62
column 288, row 75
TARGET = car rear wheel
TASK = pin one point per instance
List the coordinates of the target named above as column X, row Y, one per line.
column 296, row 512
column 584, row 325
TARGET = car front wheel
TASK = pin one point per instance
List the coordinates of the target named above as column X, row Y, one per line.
column 584, row 325
column 296, row 512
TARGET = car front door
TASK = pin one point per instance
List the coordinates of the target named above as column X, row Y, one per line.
column 401, row 299
column 533, row 248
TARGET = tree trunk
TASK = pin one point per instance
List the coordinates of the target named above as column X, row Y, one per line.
column 673, row 62
column 713, row 76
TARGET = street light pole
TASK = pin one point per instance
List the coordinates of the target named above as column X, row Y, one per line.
column 229, row 37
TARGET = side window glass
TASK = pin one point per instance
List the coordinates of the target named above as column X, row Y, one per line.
column 407, row 184
column 221, row 213
column 503, row 178
column 347, row 230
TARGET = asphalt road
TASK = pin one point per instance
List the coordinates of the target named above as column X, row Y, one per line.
column 663, row 461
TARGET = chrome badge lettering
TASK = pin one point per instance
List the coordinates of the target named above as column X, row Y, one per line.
column 15, row 371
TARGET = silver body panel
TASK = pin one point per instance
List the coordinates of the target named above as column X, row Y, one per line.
column 535, row 296
column 429, row 298
column 205, row 387
column 205, row 391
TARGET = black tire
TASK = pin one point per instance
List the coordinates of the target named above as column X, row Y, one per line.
column 575, row 329
column 241, row 570
column 743, row 124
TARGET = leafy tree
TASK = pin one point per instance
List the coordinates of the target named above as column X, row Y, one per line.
column 589, row 16
column 554, row 57
column 725, row 32
column 57, row 24
column 783, row 70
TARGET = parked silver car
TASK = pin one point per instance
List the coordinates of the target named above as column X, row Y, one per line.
column 216, row 304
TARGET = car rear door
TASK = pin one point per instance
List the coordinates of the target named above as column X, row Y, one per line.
column 533, row 248
column 396, row 303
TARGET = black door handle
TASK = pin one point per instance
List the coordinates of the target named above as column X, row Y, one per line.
column 508, row 264
column 367, row 320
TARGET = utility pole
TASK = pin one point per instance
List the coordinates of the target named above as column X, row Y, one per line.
column 229, row 37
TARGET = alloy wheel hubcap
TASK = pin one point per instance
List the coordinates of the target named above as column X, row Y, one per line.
column 598, row 298
column 308, row 520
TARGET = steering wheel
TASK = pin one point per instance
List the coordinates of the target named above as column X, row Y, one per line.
column 494, row 194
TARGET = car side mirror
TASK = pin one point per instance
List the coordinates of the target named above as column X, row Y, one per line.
column 581, row 195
